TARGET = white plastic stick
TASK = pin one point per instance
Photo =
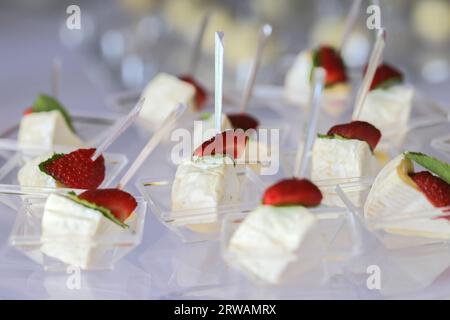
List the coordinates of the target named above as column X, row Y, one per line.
column 350, row 22
column 118, row 128
column 197, row 49
column 56, row 77
column 218, row 81
column 264, row 34
column 314, row 103
column 374, row 61
column 152, row 144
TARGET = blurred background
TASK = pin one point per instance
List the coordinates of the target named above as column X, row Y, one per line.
column 123, row 43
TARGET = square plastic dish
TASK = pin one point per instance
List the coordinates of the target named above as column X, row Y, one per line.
column 26, row 236
column 114, row 164
column 409, row 264
column 157, row 191
column 91, row 129
column 312, row 266
column 354, row 194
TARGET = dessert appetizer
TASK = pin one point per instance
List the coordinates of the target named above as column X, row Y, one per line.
column 298, row 83
column 241, row 120
column 399, row 189
column 46, row 124
column 164, row 92
column 388, row 102
column 209, row 179
column 162, row 95
column 280, row 238
column 346, row 151
column 256, row 152
column 74, row 170
column 80, row 169
column 72, row 224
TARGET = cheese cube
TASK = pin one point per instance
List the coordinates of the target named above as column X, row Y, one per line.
column 204, row 183
column 388, row 109
column 336, row 158
column 69, row 230
column 162, row 95
column 273, row 243
column 31, row 176
column 297, row 86
column 46, row 130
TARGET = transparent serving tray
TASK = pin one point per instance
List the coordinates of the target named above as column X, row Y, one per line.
column 404, row 264
column 313, row 266
column 354, row 194
column 26, row 236
column 114, row 164
column 92, row 129
column 157, row 191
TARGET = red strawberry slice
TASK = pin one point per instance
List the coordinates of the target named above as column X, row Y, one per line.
column 384, row 75
column 28, row 111
column 434, row 188
column 200, row 92
column 120, row 203
column 243, row 121
column 229, row 142
column 76, row 169
column 359, row 130
column 329, row 59
column 291, row 192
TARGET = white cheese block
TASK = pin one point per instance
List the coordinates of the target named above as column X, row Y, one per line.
column 45, row 130
column 341, row 159
column 69, row 230
column 206, row 129
column 273, row 243
column 391, row 195
column 203, row 183
column 162, row 95
column 297, row 86
column 388, row 109
column 31, row 176
column 297, row 82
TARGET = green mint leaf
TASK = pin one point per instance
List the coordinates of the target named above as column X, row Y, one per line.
column 105, row 211
column 45, row 103
column 436, row 166
column 334, row 136
column 315, row 64
column 43, row 164
column 205, row 116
